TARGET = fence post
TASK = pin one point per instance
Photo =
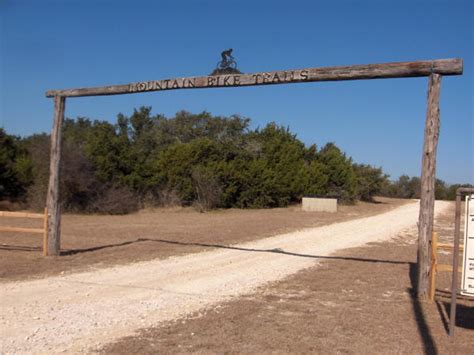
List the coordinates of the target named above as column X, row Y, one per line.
column 52, row 202
column 428, row 177
column 454, row 279
column 45, row 235
column 434, row 262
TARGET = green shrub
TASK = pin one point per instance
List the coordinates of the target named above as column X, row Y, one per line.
column 341, row 178
column 370, row 181
column 209, row 161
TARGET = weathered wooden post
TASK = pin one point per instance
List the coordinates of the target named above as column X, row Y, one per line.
column 52, row 201
column 454, row 277
column 428, row 179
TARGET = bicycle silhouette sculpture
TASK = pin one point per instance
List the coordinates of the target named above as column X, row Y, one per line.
column 227, row 65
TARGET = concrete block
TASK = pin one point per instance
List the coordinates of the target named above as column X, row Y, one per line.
column 317, row 204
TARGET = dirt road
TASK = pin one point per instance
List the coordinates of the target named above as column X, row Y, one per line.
column 79, row 312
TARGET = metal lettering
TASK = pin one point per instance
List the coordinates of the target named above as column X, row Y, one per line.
column 210, row 81
column 227, row 80
column 175, row 84
column 224, row 80
column 266, row 77
column 256, row 77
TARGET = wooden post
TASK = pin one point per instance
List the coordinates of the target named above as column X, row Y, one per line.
column 434, row 263
column 454, row 280
column 52, row 202
column 45, row 235
column 428, row 177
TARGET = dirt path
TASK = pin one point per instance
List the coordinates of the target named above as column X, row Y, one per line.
column 81, row 311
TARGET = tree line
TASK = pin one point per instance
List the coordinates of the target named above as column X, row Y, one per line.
column 190, row 159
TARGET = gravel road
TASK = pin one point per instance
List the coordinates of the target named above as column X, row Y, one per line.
column 79, row 312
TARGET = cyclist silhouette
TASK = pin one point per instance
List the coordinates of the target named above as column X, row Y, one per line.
column 227, row 65
column 226, row 56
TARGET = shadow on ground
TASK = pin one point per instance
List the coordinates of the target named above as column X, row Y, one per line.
column 69, row 252
column 423, row 328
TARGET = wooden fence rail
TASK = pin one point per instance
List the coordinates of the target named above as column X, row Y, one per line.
column 43, row 231
column 435, row 266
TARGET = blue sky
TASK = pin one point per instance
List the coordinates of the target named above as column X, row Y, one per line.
column 56, row 44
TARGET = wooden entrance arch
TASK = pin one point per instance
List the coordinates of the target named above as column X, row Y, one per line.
column 434, row 69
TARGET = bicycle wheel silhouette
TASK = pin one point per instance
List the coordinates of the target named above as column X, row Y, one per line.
column 225, row 64
column 232, row 64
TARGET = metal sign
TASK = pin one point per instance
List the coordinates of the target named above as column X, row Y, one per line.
column 467, row 283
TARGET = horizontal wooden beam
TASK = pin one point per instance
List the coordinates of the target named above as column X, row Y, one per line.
column 20, row 214
column 22, row 230
column 446, row 268
column 353, row 72
column 448, row 247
